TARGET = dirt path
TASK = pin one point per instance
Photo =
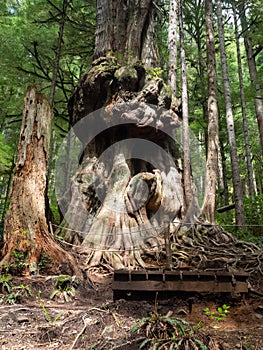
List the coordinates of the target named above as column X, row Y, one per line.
column 92, row 320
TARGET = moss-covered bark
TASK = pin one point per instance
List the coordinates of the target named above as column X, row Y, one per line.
column 118, row 207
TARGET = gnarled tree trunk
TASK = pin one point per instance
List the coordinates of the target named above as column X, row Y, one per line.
column 26, row 232
column 128, row 187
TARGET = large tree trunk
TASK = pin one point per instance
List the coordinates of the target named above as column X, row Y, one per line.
column 25, row 231
column 128, row 187
column 129, row 183
column 122, row 27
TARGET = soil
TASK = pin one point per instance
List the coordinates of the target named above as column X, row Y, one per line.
column 92, row 319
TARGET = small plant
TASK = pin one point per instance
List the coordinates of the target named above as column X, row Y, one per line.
column 64, row 286
column 23, row 290
column 44, row 261
column 17, row 266
column 45, row 311
column 166, row 332
column 219, row 314
column 13, row 298
column 5, row 282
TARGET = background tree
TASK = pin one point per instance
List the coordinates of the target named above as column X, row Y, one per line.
column 29, row 41
column 238, row 192
column 244, row 114
column 26, row 232
column 251, row 58
column 208, row 208
column 172, row 45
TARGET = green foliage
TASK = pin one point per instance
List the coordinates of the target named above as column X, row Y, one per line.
column 254, row 216
column 253, row 231
column 6, row 156
column 18, row 266
column 23, row 290
column 45, row 311
column 43, row 263
column 12, row 298
column 220, row 313
column 14, row 293
column 5, row 283
column 64, row 287
column 156, row 72
column 163, row 332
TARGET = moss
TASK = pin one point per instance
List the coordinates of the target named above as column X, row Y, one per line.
column 127, row 77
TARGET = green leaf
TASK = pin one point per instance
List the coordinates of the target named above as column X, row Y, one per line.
column 54, row 293
column 138, row 324
column 146, row 341
column 155, row 345
column 65, row 294
column 8, row 287
column 201, row 345
column 57, row 317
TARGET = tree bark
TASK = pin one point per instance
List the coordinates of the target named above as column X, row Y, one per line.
column 253, row 72
column 185, row 131
column 172, row 44
column 244, row 114
column 58, row 51
column 122, row 27
column 237, row 185
column 208, row 208
column 117, row 208
column 25, row 230
column 128, row 187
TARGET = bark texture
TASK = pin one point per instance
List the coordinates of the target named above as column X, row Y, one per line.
column 248, row 155
column 251, row 60
column 122, row 26
column 172, row 44
column 208, row 208
column 25, row 231
column 185, row 130
column 126, row 199
column 128, row 187
column 237, row 185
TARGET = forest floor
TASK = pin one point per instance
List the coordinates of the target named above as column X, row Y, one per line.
column 93, row 320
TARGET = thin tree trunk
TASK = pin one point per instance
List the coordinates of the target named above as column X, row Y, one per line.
column 237, row 185
column 25, row 229
column 172, row 45
column 186, row 133
column 208, row 208
column 58, row 51
column 244, row 116
column 253, row 72
column 225, row 190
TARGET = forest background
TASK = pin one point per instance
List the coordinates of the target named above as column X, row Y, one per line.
column 51, row 44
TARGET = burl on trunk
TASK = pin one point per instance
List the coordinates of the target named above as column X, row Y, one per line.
column 128, row 187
